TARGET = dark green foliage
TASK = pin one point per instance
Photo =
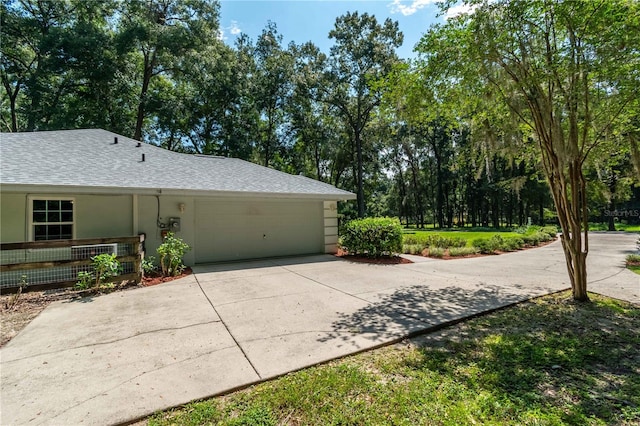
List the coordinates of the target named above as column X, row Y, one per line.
column 171, row 252
column 434, row 240
column 497, row 242
column 374, row 236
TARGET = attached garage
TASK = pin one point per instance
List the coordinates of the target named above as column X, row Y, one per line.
column 249, row 229
column 224, row 208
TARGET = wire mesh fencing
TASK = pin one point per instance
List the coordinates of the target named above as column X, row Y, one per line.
column 51, row 264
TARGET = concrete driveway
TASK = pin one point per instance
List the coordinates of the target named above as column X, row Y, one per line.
column 119, row 357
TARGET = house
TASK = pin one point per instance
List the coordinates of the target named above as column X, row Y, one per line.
column 77, row 184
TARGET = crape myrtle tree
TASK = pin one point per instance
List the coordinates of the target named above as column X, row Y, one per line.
column 567, row 70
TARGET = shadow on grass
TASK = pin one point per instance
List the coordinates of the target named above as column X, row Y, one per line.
column 570, row 361
column 415, row 309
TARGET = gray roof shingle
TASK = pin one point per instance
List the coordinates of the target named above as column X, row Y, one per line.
column 90, row 160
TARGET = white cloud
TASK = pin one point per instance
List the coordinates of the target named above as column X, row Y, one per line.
column 234, row 28
column 398, row 7
column 460, row 9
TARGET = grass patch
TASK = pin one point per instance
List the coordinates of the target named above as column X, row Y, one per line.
column 603, row 226
column 549, row 361
column 633, row 263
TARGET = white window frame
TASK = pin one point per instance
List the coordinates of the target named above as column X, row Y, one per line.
column 31, row 198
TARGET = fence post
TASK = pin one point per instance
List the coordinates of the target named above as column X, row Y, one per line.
column 137, row 266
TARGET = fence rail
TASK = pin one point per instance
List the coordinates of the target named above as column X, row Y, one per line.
column 55, row 264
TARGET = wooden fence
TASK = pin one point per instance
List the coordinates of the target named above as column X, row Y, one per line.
column 54, row 264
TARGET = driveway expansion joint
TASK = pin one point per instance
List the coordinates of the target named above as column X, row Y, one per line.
column 255, row 370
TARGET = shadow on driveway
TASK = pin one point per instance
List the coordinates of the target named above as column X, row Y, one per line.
column 418, row 309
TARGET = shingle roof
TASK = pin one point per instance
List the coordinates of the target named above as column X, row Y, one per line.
column 90, row 160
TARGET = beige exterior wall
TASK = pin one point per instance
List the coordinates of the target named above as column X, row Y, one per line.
column 13, row 217
column 95, row 216
column 227, row 228
column 169, row 208
column 330, row 212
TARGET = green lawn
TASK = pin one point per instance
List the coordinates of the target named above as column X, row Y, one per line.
column 619, row 227
column 550, row 362
column 635, row 269
column 467, row 235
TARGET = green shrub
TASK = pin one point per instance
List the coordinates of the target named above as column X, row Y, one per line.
column 496, row 242
column 550, row 230
column 105, row 266
column 434, row 240
column 413, row 248
column 531, row 240
column 546, row 237
column 149, row 265
column 412, row 239
column 171, row 252
column 462, row 251
column 375, row 236
column 513, row 244
column 482, row 244
column 436, row 252
column 633, row 259
column 85, row 280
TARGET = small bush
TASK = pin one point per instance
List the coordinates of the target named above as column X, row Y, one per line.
column 149, row 265
column 434, row 240
column 375, row 236
column 462, row 251
column 496, row 242
column 531, row 240
column 550, row 230
column 105, row 266
column 411, row 239
column 633, row 259
column 171, row 252
column 513, row 244
column 413, row 248
column 436, row 252
column 482, row 244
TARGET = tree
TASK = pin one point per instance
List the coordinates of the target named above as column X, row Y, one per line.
column 273, row 88
column 364, row 53
column 566, row 70
column 163, row 32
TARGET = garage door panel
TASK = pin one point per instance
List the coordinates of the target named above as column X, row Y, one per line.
column 233, row 230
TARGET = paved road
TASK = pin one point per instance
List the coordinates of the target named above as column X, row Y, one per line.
column 119, row 357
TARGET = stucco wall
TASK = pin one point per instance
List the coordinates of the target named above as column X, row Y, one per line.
column 169, row 208
column 95, row 216
column 13, row 217
column 98, row 216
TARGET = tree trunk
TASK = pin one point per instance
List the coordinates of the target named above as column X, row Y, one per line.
column 360, row 184
column 149, row 63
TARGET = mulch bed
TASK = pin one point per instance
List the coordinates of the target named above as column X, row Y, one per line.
column 397, row 260
column 384, row 260
column 156, row 278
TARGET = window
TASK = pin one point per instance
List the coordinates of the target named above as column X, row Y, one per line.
column 51, row 219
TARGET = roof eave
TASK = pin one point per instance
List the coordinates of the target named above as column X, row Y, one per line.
column 98, row 190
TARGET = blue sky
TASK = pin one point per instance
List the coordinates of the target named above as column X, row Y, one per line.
column 311, row 20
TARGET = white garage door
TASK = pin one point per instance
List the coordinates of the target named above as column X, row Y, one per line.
column 232, row 230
